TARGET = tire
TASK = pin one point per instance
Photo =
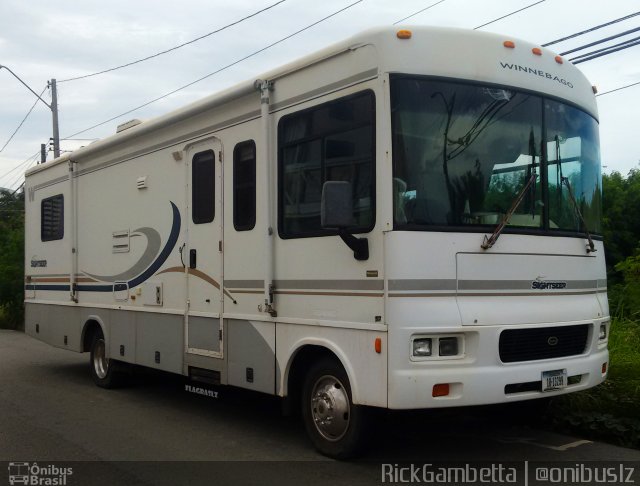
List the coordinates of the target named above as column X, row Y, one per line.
column 106, row 373
column 337, row 428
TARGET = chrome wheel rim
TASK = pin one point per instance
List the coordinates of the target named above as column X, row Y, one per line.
column 330, row 409
column 100, row 360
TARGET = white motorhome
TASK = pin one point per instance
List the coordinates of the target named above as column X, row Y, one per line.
column 403, row 220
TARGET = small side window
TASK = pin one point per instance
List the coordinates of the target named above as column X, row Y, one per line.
column 244, row 186
column 52, row 218
column 203, row 184
column 334, row 141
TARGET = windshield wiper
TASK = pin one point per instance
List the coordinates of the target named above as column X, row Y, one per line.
column 591, row 248
column 488, row 242
column 565, row 180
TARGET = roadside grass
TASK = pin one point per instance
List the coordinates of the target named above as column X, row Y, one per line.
column 611, row 411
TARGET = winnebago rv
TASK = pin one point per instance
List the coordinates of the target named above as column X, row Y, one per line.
column 405, row 220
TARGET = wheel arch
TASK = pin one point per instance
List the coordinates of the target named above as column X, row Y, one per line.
column 91, row 324
column 309, row 351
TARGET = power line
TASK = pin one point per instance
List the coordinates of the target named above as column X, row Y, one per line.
column 32, row 162
column 22, row 122
column 590, row 29
column 606, row 53
column 509, row 14
column 20, row 165
column 16, row 180
column 595, row 43
column 418, row 12
column 217, row 71
column 608, row 48
column 618, row 89
column 19, row 187
column 173, row 48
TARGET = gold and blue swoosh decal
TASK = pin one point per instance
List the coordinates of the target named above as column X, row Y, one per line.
column 147, row 265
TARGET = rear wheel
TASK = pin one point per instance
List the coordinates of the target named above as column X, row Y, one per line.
column 106, row 373
column 334, row 424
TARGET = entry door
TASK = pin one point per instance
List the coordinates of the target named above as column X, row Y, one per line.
column 203, row 252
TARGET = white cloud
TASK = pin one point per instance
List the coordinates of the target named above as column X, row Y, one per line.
column 75, row 39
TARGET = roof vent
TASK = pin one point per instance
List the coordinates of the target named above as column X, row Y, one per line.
column 126, row 125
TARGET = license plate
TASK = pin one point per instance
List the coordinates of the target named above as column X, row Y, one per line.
column 554, row 380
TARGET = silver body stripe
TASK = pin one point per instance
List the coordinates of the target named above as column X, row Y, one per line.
column 423, row 284
column 521, row 284
column 244, row 284
column 330, row 284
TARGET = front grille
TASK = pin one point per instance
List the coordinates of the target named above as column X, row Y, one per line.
column 542, row 343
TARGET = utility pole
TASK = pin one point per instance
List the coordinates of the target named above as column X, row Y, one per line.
column 53, row 107
column 54, row 116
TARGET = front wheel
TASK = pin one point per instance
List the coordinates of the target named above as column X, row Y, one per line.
column 106, row 373
column 334, row 424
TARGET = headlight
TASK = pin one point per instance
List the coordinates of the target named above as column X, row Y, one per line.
column 448, row 346
column 422, row 347
column 603, row 332
column 436, row 347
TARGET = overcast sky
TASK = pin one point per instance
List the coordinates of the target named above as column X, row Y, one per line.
column 41, row 39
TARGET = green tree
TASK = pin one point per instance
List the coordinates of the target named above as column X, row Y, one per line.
column 621, row 217
column 621, row 231
column 11, row 259
column 628, row 292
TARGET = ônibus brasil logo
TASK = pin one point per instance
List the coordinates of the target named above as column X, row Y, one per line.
column 35, row 475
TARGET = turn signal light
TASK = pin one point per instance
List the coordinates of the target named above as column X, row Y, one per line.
column 377, row 344
column 440, row 390
column 604, row 368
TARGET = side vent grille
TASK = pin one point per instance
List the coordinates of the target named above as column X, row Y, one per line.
column 141, row 182
column 121, row 241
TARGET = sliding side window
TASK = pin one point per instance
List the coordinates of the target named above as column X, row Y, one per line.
column 203, row 183
column 244, row 186
column 52, row 218
column 334, row 141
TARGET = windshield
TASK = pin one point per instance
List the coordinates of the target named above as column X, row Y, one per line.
column 462, row 154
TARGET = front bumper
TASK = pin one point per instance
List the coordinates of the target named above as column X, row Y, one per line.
column 480, row 377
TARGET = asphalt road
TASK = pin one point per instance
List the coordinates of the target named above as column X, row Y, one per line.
column 51, row 412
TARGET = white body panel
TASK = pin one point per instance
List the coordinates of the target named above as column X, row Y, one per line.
column 124, row 259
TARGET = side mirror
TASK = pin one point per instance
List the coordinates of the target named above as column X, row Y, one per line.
column 336, row 212
column 336, row 205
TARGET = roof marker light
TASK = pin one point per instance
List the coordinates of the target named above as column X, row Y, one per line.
column 559, row 59
column 403, row 34
column 509, row 44
column 537, row 51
